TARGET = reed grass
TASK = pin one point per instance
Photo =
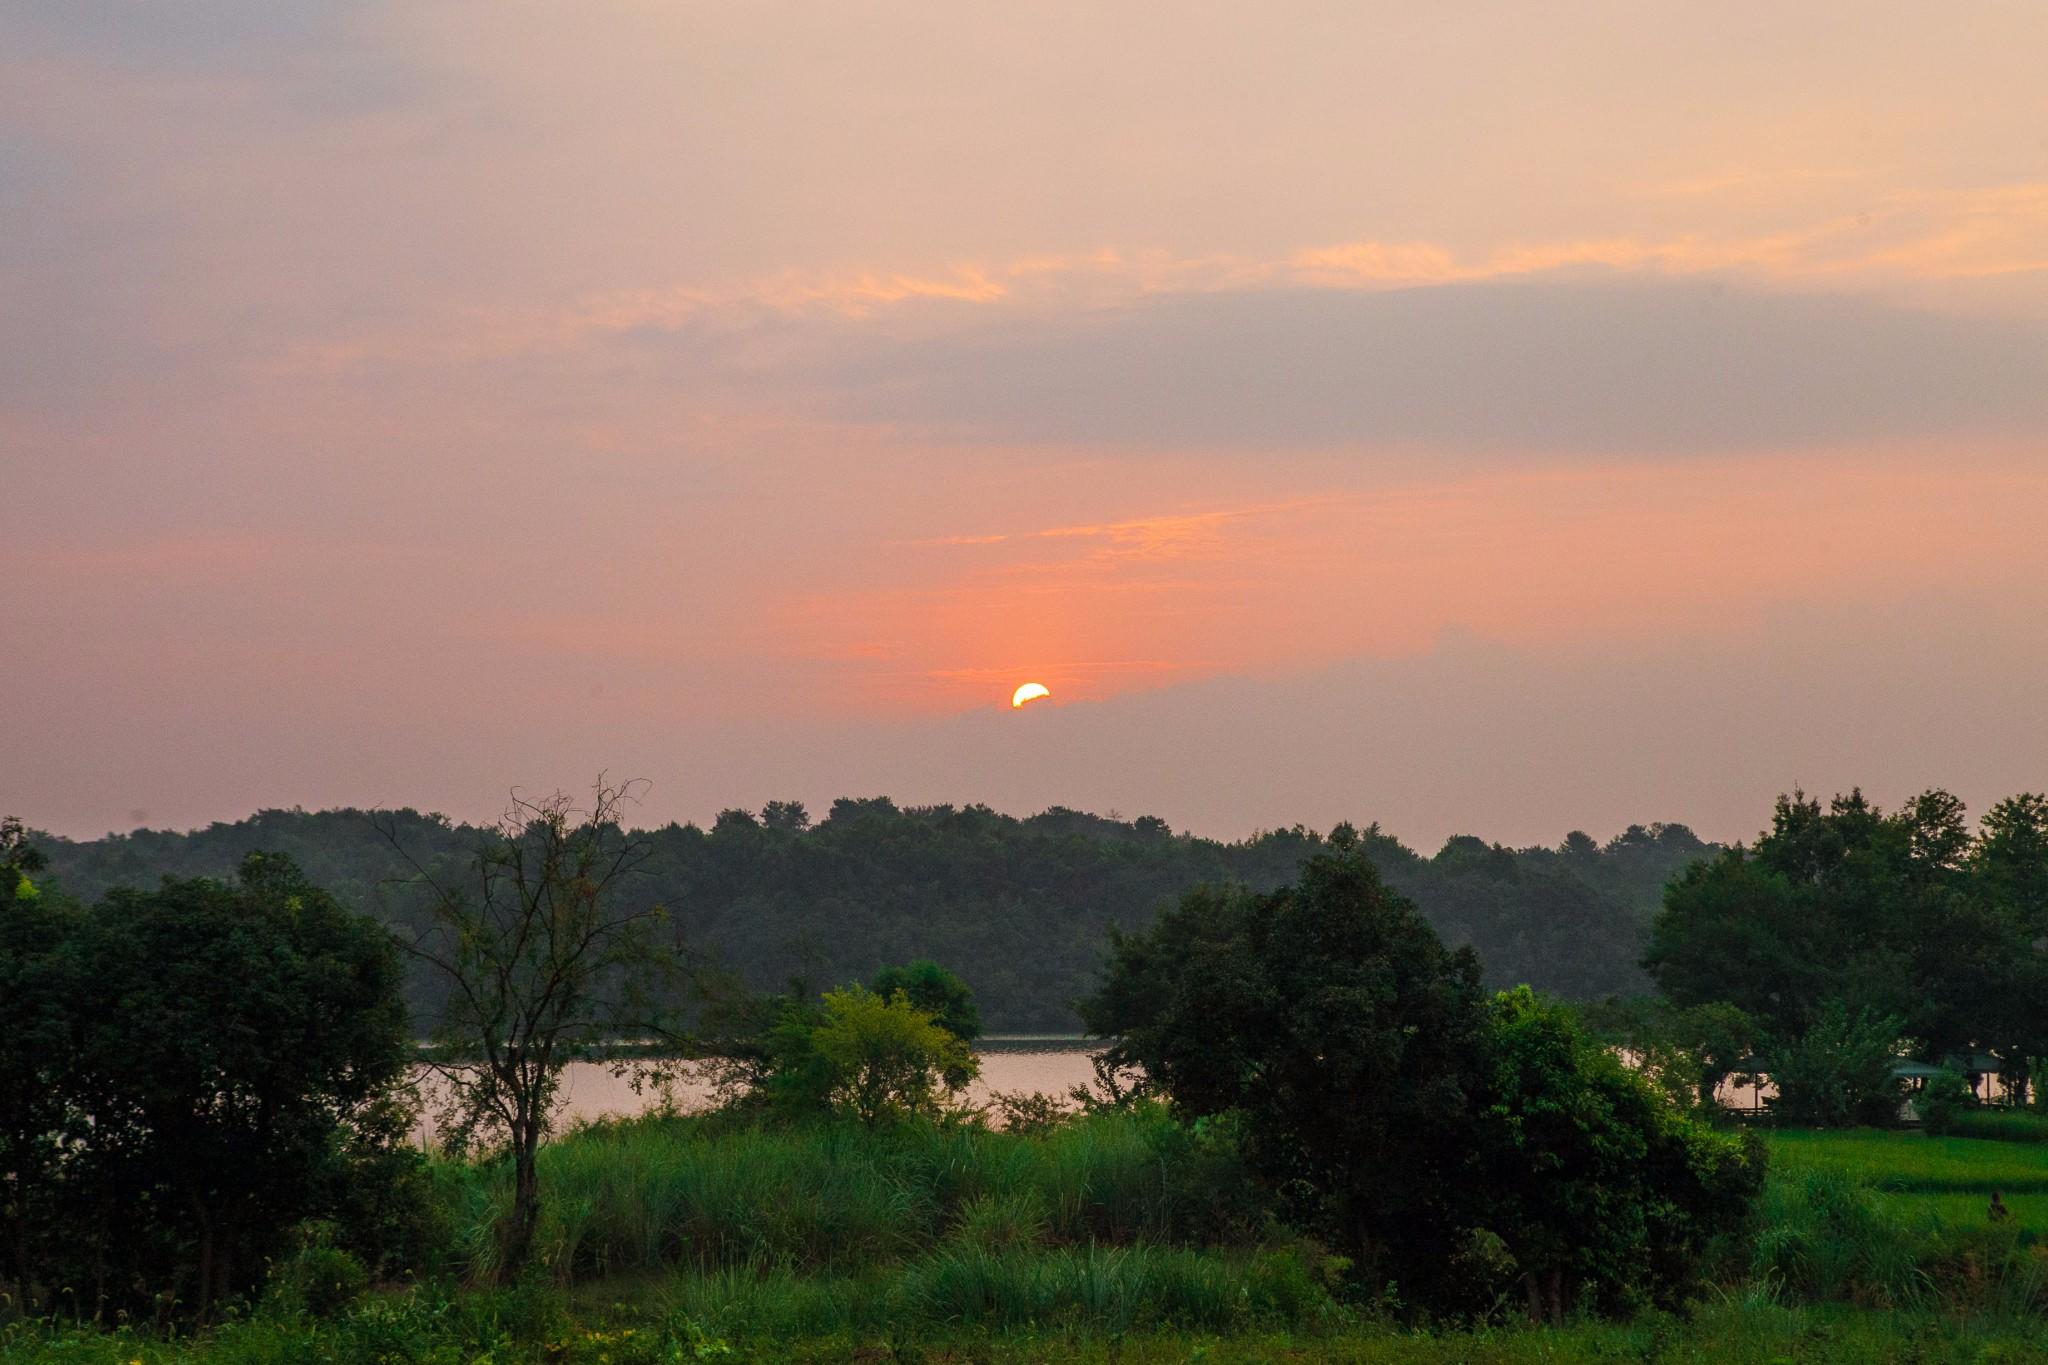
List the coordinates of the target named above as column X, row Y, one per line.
column 673, row 1191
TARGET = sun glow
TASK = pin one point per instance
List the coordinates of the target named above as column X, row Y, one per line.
column 1029, row 692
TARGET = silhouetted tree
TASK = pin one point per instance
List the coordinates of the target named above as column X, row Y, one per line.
column 544, row 961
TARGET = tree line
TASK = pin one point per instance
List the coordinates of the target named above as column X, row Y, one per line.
column 1846, row 939
column 1019, row 907
column 208, row 1078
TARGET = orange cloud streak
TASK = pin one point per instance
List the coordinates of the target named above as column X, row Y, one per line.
column 1586, row 553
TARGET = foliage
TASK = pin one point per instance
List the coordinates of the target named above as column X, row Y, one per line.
column 1502, row 1147
column 1017, row 906
column 937, row 992
column 540, row 961
column 833, row 1242
column 1942, row 1102
column 1907, row 914
column 1590, row 1178
column 318, row 1280
column 223, row 1061
column 1688, row 1052
column 36, row 1049
column 886, row 1060
column 1840, row 1071
column 710, row 1193
column 1342, row 1034
column 1163, row 1308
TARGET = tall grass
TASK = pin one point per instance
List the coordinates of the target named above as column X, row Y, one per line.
column 1898, row 1220
column 665, row 1191
column 964, row 1288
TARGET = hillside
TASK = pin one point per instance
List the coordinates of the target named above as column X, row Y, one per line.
column 1019, row 907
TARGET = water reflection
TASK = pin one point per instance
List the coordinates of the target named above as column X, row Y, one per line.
column 590, row 1090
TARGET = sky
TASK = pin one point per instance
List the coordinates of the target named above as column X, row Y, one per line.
column 1474, row 418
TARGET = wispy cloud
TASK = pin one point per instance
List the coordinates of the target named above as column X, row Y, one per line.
column 1900, row 240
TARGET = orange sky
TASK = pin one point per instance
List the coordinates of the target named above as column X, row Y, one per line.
column 398, row 402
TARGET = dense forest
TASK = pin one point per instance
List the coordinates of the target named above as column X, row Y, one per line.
column 1019, row 907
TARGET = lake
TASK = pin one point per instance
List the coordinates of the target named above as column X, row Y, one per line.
column 1049, row 1065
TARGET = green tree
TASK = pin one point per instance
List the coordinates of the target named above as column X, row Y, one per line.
column 1943, row 1098
column 1599, row 1189
column 1016, row 906
column 544, row 960
column 1687, row 1051
column 1839, row 1072
column 2011, row 858
column 882, row 1060
column 1349, row 1041
column 238, row 1064
column 35, row 1055
column 1735, row 930
column 937, row 992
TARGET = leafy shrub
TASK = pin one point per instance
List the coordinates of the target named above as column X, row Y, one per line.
column 319, row 1281
column 1028, row 1113
column 854, row 1052
column 1944, row 1099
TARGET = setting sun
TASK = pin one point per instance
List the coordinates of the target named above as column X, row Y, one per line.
column 1029, row 692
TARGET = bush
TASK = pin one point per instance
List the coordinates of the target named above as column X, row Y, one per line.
column 853, row 1052
column 1391, row 1110
column 318, row 1281
column 1032, row 1113
column 1943, row 1101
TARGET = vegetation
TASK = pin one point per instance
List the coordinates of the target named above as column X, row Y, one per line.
column 1839, row 1072
column 1020, row 908
column 676, row 1239
column 193, row 1072
column 1842, row 917
column 857, row 1054
column 539, row 961
column 1319, row 1133
column 1496, row 1145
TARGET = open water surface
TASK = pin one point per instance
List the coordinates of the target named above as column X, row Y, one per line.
column 1049, row 1065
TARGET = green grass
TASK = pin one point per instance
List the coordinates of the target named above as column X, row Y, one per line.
column 1913, row 1163
column 501, row 1329
column 2029, row 1211
column 2002, row 1125
column 1119, row 1236
column 659, row 1192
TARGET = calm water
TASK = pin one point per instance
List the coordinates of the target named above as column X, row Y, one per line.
column 590, row 1090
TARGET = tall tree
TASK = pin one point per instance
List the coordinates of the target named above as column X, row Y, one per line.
column 240, row 1052
column 35, row 1053
column 546, row 958
column 1334, row 1023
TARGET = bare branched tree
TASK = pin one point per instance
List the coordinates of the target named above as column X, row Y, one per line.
column 544, row 960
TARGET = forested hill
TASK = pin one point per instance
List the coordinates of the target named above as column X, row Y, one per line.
column 1019, row 907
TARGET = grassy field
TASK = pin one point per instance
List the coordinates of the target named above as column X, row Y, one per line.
column 1113, row 1237
column 1912, row 1163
